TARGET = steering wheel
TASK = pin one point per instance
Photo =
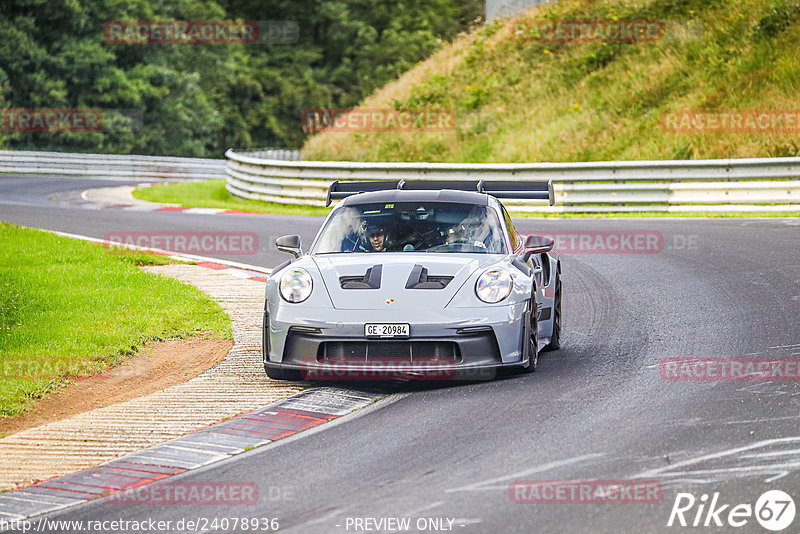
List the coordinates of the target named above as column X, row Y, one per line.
column 458, row 247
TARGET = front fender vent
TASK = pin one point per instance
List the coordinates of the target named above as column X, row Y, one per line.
column 419, row 279
column 370, row 280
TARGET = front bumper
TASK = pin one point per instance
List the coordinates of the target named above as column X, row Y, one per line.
column 449, row 343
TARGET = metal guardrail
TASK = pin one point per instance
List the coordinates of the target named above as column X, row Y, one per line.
column 736, row 185
column 273, row 153
column 109, row 166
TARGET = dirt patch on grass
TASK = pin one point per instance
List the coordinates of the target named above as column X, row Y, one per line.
column 157, row 366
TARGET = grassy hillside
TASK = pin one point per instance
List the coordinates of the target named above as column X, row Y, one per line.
column 521, row 100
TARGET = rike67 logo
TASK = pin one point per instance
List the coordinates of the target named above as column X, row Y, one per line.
column 774, row 510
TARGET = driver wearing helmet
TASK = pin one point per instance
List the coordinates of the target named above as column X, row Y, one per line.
column 376, row 238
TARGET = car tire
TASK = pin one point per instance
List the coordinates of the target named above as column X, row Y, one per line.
column 555, row 337
column 532, row 340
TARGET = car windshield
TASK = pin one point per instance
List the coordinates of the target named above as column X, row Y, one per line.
column 412, row 227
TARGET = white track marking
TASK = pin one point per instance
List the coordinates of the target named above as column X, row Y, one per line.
column 673, row 470
column 484, row 486
column 417, row 511
column 774, row 453
column 776, row 477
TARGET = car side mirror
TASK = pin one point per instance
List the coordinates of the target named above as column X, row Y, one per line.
column 289, row 244
column 537, row 244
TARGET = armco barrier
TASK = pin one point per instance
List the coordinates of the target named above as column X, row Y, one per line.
column 736, row 185
column 109, row 166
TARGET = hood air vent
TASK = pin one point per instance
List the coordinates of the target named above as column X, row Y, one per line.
column 370, row 280
column 419, row 279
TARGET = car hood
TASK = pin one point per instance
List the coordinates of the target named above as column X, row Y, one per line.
column 395, row 271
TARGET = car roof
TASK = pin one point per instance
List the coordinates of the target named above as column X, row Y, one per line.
column 400, row 195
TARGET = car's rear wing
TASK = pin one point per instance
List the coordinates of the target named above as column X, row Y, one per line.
column 542, row 190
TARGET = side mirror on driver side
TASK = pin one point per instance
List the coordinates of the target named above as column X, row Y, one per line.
column 289, row 244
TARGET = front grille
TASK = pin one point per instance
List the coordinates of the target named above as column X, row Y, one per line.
column 384, row 350
column 470, row 346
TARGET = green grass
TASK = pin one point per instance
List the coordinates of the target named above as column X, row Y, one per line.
column 70, row 308
column 212, row 194
column 519, row 100
column 140, row 258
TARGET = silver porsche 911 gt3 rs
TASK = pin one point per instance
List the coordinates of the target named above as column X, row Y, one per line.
column 426, row 279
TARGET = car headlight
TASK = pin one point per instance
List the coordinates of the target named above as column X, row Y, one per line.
column 493, row 286
column 296, row 285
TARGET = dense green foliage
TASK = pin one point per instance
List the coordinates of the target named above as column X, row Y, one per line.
column 197, row 100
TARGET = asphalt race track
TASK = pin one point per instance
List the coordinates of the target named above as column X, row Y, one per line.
column 598, row 409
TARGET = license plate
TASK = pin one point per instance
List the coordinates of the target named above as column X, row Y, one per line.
column 386, row 330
